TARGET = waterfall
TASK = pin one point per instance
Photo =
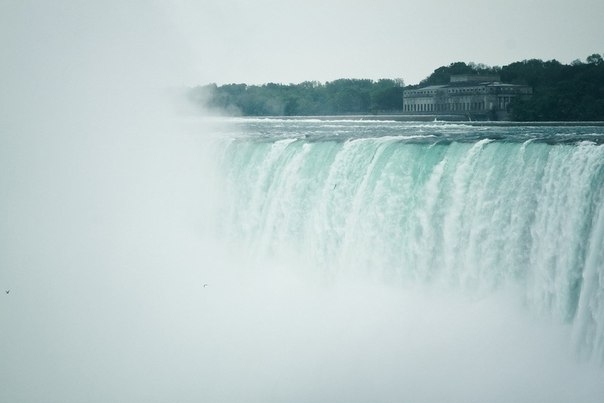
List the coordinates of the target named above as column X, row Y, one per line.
column 475, row 216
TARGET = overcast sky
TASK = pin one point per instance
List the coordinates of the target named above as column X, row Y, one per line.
column 286, row 41
column 292, row 41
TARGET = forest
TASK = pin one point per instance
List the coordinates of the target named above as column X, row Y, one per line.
column 310, row 98
column 561, row 92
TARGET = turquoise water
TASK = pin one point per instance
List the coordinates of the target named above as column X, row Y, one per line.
column 470, row 208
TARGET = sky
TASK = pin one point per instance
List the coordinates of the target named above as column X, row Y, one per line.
column 223, row 41
column 292, row 41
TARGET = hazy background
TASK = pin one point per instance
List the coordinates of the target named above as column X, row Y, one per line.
column 293, row 41
column 107, row 200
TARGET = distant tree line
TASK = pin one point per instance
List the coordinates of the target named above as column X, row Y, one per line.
column 561, row 92
column 310, row 98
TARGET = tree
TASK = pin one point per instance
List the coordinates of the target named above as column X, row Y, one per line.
column 442, row 75
column 595, row 59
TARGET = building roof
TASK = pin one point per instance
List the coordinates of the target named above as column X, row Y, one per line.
column 467, row 78
column 466, row 84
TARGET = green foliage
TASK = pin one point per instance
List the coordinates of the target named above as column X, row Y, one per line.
column 442, row 75
column 572, row 92
column 560, row 92
column 310, row 98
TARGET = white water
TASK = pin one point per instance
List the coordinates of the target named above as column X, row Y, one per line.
column 454, row 264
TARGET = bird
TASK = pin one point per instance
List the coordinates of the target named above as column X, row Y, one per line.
column 7, row 291
column 205, row 285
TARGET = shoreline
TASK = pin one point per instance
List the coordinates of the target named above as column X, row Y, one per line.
column 444, row 119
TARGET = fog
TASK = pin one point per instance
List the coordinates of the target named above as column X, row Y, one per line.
column 106, row 240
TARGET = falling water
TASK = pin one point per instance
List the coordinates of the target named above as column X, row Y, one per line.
column 468, row 208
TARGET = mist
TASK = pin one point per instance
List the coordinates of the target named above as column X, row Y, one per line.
column 102, row 207
column 109, row 209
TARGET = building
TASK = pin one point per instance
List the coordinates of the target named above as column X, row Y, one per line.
column 479, row 97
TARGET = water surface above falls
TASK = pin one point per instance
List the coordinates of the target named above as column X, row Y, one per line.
column 317, row 129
